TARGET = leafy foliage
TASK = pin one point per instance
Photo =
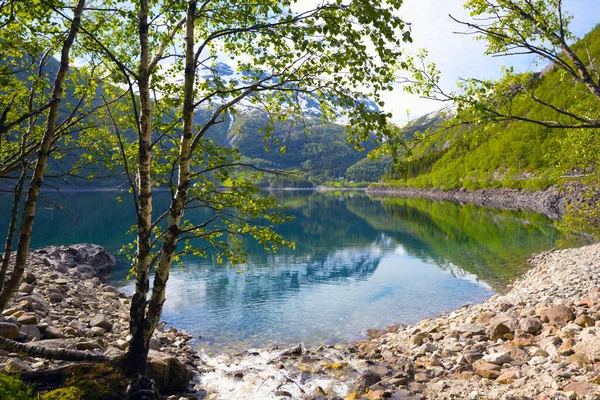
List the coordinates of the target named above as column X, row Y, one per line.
column 487, row 153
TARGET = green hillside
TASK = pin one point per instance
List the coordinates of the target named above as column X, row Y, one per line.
column 511, row 154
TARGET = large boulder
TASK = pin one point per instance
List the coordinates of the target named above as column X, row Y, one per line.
column 169, row 374
column 85, row 257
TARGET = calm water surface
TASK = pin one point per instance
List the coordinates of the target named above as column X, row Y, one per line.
column 359, row 264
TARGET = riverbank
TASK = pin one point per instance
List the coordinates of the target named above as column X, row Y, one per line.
column 63, row 304
column 541, row 340
column 551, row 202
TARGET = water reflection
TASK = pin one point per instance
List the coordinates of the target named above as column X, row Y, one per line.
column 359, row 263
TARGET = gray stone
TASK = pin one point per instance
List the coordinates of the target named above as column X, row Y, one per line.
column 366, row 379
column 102, row 322
column 497, row 358
column 530, row 325
column 52, row 332
column 8, row 330
column 32, row 332
column 97, row 331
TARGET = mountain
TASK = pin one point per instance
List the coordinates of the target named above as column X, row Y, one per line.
column 321, row 155
column 510, row 154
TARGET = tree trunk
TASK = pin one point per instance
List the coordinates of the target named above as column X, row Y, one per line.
column 138, row 349
column 42, row 159
column 12, row 227
column 169, row 243
column 51, row 354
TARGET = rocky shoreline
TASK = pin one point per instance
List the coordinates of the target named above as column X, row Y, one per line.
column 550, row 202
column 541, row 340
column 62, row 303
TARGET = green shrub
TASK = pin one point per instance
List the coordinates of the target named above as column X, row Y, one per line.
column 67, row 393
column 12, row 388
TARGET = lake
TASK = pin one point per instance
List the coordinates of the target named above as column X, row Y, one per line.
column 359, row 263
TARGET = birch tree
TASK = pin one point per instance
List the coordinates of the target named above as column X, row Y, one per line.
column 338, row 53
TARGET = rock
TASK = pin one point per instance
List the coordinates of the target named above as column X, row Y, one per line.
column 121, row 344
column 366, row 379
column 52, row 332
column 32, row 332
column 97, row 331
column 485, row 317
column 27, row 319
column 85, row 345
column 588, row 345
column 523, row 339
column 14, row 365
column 486, row 369
column 418, row 339
column 530, row 325
column 11, row 311
column 584, row 320
column 509, row 376
column 8, row 330
column 293, row 352
column 102, row 322
column 566, row 348
column 471, row 357
column 170, row 374
column 497, row 358
column 86, row 271
column 91, row 255
column 30, row 278
column 581, row 389
column 500, row 326
column 560, row 315
column 55, row 297
column 25, row 288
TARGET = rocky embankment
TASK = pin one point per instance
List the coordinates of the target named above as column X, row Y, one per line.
column 541, row 340
column 62, row 303
column 550, row 202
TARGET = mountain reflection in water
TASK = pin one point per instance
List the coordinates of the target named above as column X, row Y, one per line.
column 359, row 263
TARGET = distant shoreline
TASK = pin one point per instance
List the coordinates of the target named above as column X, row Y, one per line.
column 550, row 202
column 116, row 189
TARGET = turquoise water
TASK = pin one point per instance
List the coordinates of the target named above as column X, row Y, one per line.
column 359, row 264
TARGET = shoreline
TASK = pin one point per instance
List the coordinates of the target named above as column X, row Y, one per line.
column 540, row 340
column 550, row 202
column 63, row 303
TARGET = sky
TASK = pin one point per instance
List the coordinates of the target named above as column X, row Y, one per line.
column 460, row 56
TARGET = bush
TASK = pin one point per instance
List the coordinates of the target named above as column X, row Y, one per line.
column 68, row 393
column 12, row 388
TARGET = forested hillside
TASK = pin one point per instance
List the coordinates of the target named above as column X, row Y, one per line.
column 510, row 154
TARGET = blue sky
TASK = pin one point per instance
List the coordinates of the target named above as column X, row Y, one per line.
column 459, row 56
